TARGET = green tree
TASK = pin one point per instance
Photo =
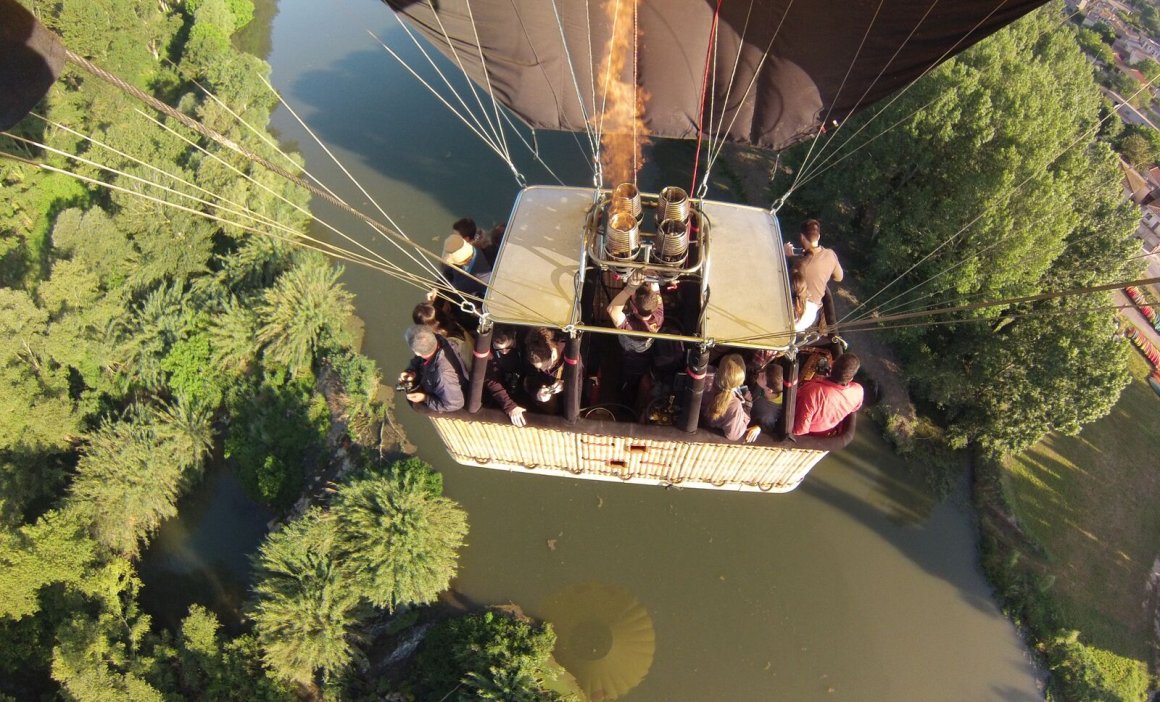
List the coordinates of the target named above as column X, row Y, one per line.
column 1093, row 45
column 490, row 656
column 306, row 613
column 209, row 667
column 57, row 549
column 1140, row 146
column 985, row 191
column 305, row 310
column 132, row 472
column 399, row 537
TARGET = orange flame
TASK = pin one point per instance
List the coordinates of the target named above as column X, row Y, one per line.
column 623, row 134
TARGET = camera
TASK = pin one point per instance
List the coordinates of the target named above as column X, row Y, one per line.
column 408, row 383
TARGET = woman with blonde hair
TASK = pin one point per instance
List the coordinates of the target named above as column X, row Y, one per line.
column 726, row 405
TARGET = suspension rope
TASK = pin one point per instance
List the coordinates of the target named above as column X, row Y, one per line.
column 710, row 52
column 1039, row 313
column 1003, row 198
column 1085, row 290
column 419, row 261
column 635, row 80
column 716, row 138
column 830, row 109
column 551, row 89
column 490, row 89
column 239, row 172
column 748, row 88
column 589, row 125
column 476, row 128
column 261, row 134
column 314, row 244
column 890, row 62
column 828, row 163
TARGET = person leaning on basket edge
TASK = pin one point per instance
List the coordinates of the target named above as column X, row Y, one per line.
column 435, row 373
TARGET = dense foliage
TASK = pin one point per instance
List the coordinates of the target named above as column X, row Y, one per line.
column 390, row 539
column 488, row 656
column 136, row 339
column 1003, row 191
column 998, row 182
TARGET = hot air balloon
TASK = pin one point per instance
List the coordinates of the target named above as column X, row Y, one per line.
column 768, row 73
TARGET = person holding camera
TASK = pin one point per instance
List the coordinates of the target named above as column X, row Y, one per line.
column 504, row 369
column 435, row 377
column 823, row 402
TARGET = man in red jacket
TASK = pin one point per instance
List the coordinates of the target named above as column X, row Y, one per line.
column 822, row 403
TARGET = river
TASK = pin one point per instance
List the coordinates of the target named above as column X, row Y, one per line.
column 859, row 585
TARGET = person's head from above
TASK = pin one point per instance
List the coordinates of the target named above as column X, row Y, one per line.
column 541, row 349
column 729, row 376
column 774, row 377
column 425, row 313
column 645, row 302
column 502, row 340
column 457, row 251
column 811, row 234
column 797, row 284
column 730, row 372
column 466, row 228
column 845, row 368
column 421, row 340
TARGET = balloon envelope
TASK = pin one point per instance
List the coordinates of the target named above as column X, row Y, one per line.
column 778, row 69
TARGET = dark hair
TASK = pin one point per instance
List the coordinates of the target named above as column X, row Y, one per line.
column 538, row 345
column 466, row 228
column 503, row 336
column 432, row 316
column 845, row 368
column 812, row 230
column 798, row 288
column 774, row 377
column 425, row 313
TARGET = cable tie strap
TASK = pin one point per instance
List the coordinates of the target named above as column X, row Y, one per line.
column 788, row 383
column 571, row 361
column 695, row 375
column 477, row 354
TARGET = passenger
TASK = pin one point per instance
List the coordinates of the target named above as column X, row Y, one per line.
column 805, row 312
column 822, row 403
column 637, row 307
column 435, row 376
column 544, row 376
column 465, row 264
column 725, row 405
column 503, row 374
column 767, row 399
column 818, row 265
column 485, row 241
column 446, row 326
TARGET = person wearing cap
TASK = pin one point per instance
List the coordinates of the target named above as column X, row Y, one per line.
column 823, row 402
column 435, row 372
column 637, row 307
column 466, row 265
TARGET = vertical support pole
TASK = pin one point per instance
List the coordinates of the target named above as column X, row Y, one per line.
column 696, row 368
column 573, row 378
column 789, row 393
column 482, row 353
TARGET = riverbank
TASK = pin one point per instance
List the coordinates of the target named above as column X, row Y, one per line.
column 1070, row 534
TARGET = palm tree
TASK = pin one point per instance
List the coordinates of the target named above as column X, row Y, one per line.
column 399, row 538
column 129, row 478
column 306, row 308
column 306, row 614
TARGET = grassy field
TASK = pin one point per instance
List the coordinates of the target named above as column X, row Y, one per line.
column 1093, row 502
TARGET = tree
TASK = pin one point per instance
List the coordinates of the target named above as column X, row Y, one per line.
column 1140, row 146
column 306, row 309
column 306, row 613
column 491, row 656
column 1093, row 45
column 986, row 189
column 133, row 470
column 210, row 668
column 398, row 536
